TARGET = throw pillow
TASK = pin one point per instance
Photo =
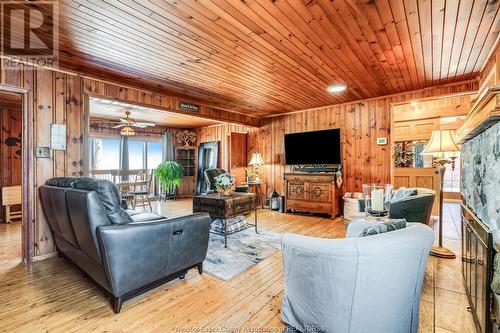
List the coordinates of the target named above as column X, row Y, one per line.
column 403, row 193
column 380, row 228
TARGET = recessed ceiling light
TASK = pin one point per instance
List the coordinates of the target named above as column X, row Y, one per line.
column 337, row 88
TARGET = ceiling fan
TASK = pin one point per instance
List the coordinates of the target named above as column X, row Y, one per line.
column 127, row 125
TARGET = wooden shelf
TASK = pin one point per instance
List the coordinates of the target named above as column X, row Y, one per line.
column 186, row 156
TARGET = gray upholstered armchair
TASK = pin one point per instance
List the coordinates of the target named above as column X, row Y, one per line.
column 356, row 284
column 415, row 208
column 210, row 175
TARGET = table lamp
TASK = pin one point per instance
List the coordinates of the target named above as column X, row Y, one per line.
column 442, row 141
column 256, row 162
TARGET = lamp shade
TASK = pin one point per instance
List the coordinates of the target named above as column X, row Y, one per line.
column 442, row 141
column 256, row 159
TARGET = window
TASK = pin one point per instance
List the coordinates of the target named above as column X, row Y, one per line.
column 154, row 154
column 452, row 177
column 136, row 154
column 106, row 153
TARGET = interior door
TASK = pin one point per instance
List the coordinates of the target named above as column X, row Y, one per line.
column 238, row 156
column 418, row 177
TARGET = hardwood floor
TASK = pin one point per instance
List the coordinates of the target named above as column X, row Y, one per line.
column 10, row 242
column 53, row 296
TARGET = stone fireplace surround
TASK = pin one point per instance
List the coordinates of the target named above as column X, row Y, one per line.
column 480, row 190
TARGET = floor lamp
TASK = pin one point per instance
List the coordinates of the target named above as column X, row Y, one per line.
column 442, row 141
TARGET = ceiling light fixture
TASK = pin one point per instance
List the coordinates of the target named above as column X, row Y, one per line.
column 414, row 103
column 337, row 88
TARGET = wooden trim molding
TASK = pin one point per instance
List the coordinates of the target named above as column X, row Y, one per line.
column 28, row 188
column 483, row 114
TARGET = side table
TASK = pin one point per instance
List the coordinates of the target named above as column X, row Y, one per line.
column 225, row 207
column 257, row 187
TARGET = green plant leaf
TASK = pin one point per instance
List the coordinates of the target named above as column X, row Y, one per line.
column 169, row 174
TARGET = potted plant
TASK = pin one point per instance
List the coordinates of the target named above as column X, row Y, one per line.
column 169, row 175
column 250, row 174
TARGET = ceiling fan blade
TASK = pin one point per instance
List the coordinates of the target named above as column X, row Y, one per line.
column 119, row 126
column 139, row 125
column 104, row 121
column 145, row 124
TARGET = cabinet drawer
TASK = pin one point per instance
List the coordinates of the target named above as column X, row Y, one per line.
column 242, row 208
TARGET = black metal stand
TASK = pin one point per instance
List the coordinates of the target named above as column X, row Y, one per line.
column 247, row 226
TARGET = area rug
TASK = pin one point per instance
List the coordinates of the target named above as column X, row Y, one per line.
column 244, row 249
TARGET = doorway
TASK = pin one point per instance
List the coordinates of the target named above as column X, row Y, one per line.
column 11, row 175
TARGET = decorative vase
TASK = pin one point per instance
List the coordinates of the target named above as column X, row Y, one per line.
column 225, row 191
column 377, row 200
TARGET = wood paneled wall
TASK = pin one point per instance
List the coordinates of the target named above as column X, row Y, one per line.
column 56, row 98
column 360, row 123
column 10, row 156
column 220, row 133
column 148, row 99
column 97, row 127
column 59, row 97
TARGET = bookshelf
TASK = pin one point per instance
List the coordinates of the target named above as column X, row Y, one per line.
column 186, row 156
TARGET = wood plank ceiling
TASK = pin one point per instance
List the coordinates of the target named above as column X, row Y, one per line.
column 271, row 56
column 114, row 110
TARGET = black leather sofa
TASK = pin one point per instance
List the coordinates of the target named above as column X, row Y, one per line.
column 125, row 252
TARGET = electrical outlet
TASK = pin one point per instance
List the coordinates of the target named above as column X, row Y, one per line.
column 42, row 152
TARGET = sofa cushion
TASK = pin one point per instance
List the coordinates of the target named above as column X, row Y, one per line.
column 61, row 181
column 403, row 193
column 380, row 228
column 144, row 216
column 109, row 196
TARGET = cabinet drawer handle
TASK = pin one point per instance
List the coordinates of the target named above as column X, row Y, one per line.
column 178, row 232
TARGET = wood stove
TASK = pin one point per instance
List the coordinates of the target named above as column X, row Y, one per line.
column 477, row 268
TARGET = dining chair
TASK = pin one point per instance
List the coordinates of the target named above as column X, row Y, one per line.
column 108, row 174
column 142, row 191
column 125, row 181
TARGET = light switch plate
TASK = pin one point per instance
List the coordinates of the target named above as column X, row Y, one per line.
column 42, row 152
column 381, row 141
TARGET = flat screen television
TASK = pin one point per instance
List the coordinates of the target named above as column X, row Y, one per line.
column 317, row 147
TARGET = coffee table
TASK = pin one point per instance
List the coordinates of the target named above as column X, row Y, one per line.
column 225, row 207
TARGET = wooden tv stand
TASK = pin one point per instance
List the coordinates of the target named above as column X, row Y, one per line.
column 312, row 193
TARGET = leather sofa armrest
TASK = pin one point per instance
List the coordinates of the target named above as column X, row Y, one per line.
column 140, row 253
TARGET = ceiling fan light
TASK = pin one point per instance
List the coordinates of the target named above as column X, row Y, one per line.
column 127, row 131
column 337, row 88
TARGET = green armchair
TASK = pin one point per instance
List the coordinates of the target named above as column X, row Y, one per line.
column 210, row 175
